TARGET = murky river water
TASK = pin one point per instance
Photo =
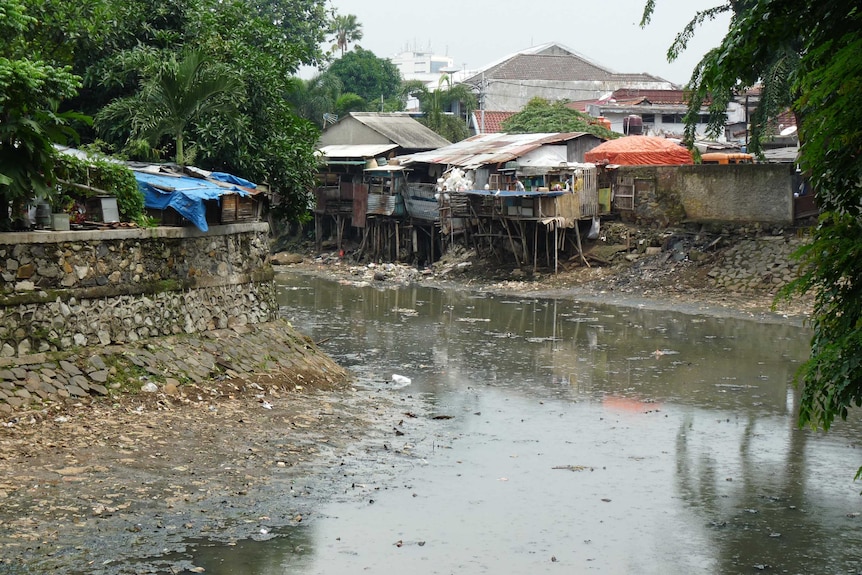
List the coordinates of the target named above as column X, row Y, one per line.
column 572, row 438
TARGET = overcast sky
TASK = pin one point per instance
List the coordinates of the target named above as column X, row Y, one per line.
column 476, row 33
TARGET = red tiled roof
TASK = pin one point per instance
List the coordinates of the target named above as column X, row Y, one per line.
column 493, row 121
column 785, row 119
column 580, row 105
column 658, row 97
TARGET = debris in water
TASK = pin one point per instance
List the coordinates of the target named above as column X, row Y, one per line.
column 572, row 467
column 400, row 380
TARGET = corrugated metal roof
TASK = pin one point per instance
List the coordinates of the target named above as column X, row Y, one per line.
column 356, row 150
column 487, row 149
column 401, row 129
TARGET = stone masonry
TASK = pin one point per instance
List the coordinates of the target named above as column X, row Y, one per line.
column 61, row 290
column 272, row 352
column 757, row 264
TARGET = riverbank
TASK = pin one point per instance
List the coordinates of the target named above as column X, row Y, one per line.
column 111, row 479
column 731, row 271
column 99, row 476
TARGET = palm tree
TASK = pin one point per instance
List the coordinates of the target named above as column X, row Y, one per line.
column 345, row 29
column 313, row 98
column 173, row 93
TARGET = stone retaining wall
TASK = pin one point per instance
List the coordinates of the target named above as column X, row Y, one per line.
column 757, row 264
column 59, row 290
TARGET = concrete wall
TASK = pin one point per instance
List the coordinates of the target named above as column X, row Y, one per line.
column 59, row 290
column 513, row 95
column 669, row 195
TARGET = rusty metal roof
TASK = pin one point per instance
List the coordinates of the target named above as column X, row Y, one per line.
column 486, row 149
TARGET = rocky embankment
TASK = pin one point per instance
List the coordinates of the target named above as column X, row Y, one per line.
column 114, row 454
column 272, row 351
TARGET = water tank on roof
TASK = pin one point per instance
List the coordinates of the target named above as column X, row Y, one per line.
column 633, row 125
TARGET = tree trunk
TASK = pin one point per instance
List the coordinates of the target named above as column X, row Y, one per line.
column 180, row 158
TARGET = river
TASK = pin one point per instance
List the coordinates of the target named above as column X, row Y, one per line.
column 563, row 437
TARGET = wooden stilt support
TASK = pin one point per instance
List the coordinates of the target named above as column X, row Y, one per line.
column 556, row 248
column 535, row 246
column 511, row 242
column 580, row 248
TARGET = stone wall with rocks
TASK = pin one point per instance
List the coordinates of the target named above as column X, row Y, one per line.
column 271, row 354
column 60, row 290
column 745, row 193
column 756, row 264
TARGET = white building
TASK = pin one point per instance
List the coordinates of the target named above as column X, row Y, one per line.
column 423, row 65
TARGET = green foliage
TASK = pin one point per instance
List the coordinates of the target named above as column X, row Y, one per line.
column 540, row 116
column 347, row 103
column 261, row 43
column 30, row 121
column 173, row 92
column 98, row 174
column 437, row 104
column 363, row 73
column 832, row 267
column 312, row 98
column 132, row 56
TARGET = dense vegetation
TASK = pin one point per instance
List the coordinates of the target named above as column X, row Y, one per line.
column 200, row 79
column 540, row 115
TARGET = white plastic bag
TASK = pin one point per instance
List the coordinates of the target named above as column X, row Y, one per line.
column 594, row 229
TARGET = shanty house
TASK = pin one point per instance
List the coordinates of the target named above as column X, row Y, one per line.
column 182, row 196
column 349, row 193
column 510, row 186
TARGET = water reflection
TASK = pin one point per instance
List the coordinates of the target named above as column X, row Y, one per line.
column 583, row 437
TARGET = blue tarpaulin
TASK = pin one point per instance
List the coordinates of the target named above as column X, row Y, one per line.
column 187, row 195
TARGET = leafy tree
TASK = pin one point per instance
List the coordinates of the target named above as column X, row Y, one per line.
column 345, row 28
column 540, row 115
column 364, row 74
column 262, row 43
column 826, row 37
column 30, row 92
column 173, row 93
column 269, row 143
column 312, row 98
column 774, row 69
column 436, row 103
column 348, row 102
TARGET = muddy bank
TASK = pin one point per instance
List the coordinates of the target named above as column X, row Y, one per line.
column 110, row 482
column 734, row 272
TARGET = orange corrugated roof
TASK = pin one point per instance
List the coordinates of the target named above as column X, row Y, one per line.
column 639, row 150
